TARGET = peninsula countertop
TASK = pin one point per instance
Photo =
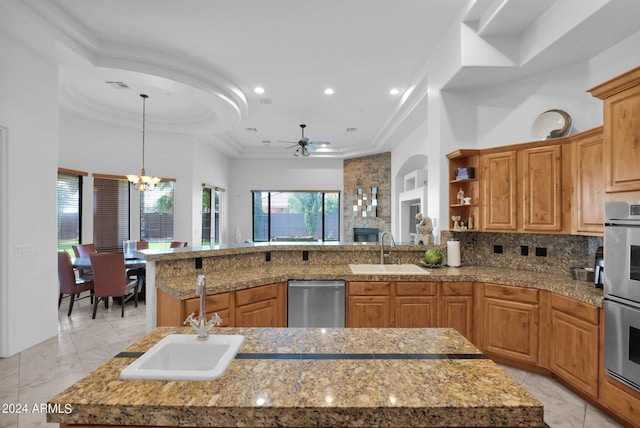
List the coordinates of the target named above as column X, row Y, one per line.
column 313, row 377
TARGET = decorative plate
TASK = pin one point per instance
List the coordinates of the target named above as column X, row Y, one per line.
column 552, row 124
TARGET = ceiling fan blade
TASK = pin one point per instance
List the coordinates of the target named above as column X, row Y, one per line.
column 284, row 141
column 320, row 143
column 294, row 145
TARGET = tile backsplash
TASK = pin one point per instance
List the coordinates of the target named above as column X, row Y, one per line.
column 540, row 253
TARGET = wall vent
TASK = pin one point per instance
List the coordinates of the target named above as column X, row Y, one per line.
column 251, row 129
column 352, row 129
column 118, row 85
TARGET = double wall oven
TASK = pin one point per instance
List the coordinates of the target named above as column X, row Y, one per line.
column 622, row 292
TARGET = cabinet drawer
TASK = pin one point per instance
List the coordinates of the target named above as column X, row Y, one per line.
column 257, row 294
column 457, row 288
column 506, row 292
column 416, row 288
column 583, row 311
column 213, row 302
column 369, row 288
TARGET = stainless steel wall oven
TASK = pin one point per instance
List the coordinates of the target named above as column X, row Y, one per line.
column 622, row 292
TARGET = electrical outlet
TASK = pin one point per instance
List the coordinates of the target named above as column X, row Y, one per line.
column 524, row 250
column 23, row 250
column 267, row 256
column 541, row 252
column 17, row 328
column 305, row 255
column 497, row 249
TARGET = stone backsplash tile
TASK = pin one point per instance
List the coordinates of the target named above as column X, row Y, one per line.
column 562, row 251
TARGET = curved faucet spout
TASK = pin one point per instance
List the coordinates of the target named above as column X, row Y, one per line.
column 201, row 325
column 393, row 244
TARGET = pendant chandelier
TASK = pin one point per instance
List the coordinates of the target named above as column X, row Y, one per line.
column 143, row 182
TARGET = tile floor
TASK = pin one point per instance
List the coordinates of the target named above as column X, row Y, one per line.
column 38, row 373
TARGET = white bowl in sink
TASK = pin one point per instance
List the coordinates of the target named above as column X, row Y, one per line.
column 184, row 357
column 380, row 269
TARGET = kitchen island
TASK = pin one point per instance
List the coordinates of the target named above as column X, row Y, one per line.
column 313, row 377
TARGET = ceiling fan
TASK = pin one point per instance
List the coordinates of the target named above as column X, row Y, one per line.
column 303, row 145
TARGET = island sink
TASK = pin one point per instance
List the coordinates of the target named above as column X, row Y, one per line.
column 380, row 269
column 183, row 357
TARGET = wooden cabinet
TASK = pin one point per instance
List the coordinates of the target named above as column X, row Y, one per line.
column 574, row 343
column 468, row 160
column 499, row 191
column 456, row 304
column 510, row 322
column 542, row 188
column 368, row 304
column 415, row 304
column 589, row 183
column 263, row 306
column 621, row 131
column 172, row 311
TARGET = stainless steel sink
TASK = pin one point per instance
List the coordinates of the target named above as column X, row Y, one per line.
column 379, row 269
column 184, row 357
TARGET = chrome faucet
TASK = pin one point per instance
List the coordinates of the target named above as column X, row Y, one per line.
column 393, row 244
column 201, row 325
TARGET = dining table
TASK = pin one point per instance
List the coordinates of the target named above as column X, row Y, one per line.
column 139, row 265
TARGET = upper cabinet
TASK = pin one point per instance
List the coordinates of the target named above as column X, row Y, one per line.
column 621, row 96
column 589, row 183
column 499, row 191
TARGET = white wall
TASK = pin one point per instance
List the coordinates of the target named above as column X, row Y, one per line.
column 288, row 174
column 29, row 111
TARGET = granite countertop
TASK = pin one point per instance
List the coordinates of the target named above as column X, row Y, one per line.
column 182, row 287
column 314, row 377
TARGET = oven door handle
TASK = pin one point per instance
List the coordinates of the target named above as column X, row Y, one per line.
column 620, row 300
column 622, row 223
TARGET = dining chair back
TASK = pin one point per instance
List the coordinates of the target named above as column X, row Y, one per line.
column 142, row 245
column 178, row 244
column 109, row 280
column 69, row 284
column 83, row 250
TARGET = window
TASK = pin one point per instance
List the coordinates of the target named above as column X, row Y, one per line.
column 69, row 209
column 110, row 212
column 296, row 216
column 156, row 215
column 211, row 213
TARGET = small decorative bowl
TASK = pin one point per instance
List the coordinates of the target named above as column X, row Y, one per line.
column 429, row 265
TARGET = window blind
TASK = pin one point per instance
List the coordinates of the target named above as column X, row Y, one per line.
column 110, row 213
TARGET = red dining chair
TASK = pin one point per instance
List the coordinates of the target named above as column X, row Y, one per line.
column 109, row 280
column 178, row 244
column 83, row 250
column 69, row 284
column 142, row 245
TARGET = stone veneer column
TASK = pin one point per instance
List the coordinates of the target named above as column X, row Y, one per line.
column 366, row 172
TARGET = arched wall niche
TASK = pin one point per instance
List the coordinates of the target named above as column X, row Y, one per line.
column 411, row 195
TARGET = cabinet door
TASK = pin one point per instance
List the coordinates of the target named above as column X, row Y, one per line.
column 510, row 321
column 416, row 311
column 589, row 185
column 368, row 311
column 541, row 188
column 260, row 314
column 499, row 184
column 456, row 307
column 622, row 140
column 575, row 343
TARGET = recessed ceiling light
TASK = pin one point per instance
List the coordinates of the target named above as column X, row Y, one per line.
column 328, row 91
column 394, row 91
column 258, row 90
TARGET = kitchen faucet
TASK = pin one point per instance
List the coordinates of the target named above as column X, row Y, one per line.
column 201, row 325
column 393, row 244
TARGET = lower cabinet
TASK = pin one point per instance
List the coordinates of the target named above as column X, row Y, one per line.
column 510, row 322
column 263, row 306
column 574, row 343
column 368, row 304
column 411, row 304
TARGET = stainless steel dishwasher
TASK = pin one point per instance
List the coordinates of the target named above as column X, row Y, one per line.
column 316, row 303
